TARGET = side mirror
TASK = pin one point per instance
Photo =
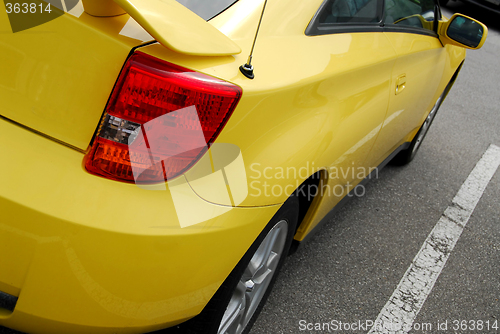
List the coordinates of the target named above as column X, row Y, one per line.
column 463, row 31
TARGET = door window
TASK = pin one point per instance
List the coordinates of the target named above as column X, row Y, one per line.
column 336, row 16
column 410, row 13
column 350, row 11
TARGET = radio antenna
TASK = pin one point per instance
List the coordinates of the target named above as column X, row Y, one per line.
column 247, row 69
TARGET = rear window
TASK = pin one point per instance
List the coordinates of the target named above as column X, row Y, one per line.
column 207, row 9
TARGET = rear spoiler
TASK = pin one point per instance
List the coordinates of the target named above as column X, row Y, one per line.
column 171, row 24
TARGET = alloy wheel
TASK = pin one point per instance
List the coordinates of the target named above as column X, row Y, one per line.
column 255, row 280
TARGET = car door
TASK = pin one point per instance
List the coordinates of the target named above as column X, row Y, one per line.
column 360, row 78
column 417, row 74
column 360, row 70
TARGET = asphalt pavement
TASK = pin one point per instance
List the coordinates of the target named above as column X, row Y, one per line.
column 350, row 269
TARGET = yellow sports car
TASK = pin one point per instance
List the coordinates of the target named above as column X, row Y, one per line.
column 161, row 158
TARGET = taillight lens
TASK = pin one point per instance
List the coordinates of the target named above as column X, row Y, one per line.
column 160, row 120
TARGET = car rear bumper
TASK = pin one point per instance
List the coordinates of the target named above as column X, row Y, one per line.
column 88, row 255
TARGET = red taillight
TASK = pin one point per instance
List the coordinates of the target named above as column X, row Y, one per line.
column 159, row 121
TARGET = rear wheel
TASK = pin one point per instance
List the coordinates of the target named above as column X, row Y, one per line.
column 237, row 303
column 255, row 281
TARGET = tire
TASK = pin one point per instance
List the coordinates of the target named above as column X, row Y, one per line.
column 407, row 155
column 236, row 305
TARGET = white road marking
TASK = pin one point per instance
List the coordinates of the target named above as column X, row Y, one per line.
column 400, row 311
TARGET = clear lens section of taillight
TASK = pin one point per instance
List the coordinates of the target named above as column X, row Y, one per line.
column 160, row 120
